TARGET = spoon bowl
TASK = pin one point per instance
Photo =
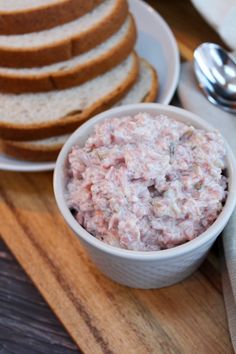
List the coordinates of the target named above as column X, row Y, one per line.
column 215, row 70
column 209, row 91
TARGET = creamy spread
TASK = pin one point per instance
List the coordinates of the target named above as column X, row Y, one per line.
column 147, row 182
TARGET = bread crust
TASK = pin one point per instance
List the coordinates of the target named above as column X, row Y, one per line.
column 62, row 79
column 45, row 16
column 66, row 49
column 71, row 122
column 154, row 89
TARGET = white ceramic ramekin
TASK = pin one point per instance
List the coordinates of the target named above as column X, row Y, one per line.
column 144, row 269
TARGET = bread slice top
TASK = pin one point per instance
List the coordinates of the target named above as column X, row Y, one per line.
column 32, row 116
column 59, row 33
column 145, row 89
column 74, row 71
column 25, row 16
column 78, row 60
column 65, row 41
column 47, row 107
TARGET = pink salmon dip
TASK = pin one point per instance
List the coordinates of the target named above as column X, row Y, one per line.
column 146, row 182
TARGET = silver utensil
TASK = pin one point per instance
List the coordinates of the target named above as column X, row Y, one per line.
column 215, row 70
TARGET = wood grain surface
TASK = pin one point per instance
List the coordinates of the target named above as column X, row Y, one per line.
column 27, row 324
column 101, row 316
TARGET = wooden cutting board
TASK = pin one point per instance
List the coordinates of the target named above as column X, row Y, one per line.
column 101, row 316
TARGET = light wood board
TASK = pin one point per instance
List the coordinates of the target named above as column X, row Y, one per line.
column 101, row 316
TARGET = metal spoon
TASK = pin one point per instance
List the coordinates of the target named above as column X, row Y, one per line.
column 215, row 70
column 211, row 94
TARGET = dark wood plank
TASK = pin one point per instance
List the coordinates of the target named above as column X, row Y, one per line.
column 27, row 324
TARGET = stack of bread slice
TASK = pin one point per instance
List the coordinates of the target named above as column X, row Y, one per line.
column 61, row 62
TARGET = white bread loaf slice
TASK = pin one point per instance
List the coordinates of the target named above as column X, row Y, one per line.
column 24, row 16
column 74, row 71
column 40, row 115
column 63, row 42
column 144, row 90
column 38, row 150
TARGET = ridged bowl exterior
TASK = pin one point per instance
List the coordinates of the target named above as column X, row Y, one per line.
column 148, row 274
column 153, row 269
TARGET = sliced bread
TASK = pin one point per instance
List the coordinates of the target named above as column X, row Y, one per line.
column 66, row 41
column 38, row 150
column 75, row 71
column 144, row 90
column 35, row 116
column 24, row 16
